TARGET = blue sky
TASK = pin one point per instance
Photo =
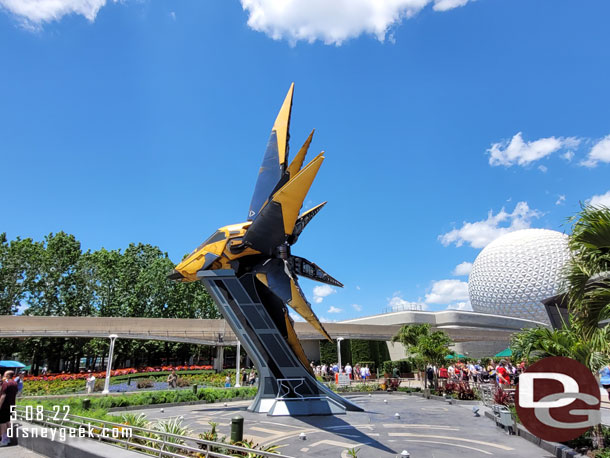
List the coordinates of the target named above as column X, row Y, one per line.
column 444, row 126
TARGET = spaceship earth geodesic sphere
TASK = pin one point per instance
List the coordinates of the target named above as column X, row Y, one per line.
column 516, row 271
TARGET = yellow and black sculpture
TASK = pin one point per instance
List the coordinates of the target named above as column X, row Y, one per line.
column 250, row 271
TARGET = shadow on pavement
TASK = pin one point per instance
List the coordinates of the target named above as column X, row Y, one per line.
column 336, row 425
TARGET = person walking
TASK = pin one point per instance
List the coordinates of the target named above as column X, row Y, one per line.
column 90, row 382
column 252, row 377
column 503, row 375
column 472, row 371
column 366, row 372
column 348, row 370
column 430, row 375
column 172, row 379
column 604, row 378
column 19, row 382
column 8, row 395
column 491, row 371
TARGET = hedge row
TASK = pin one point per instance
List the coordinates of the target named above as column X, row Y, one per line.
column 99, row 405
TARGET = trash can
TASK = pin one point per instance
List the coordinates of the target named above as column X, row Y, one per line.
column 506, row 419
column 237, row 428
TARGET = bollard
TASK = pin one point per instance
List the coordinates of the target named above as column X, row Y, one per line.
column 128, row 381
column 195, row 388
column 237, row 428
column 86, row 404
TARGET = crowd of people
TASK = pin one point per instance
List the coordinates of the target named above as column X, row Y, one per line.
column 502, row 373
column 328, row 371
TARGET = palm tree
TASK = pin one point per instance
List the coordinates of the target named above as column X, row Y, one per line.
column 535, row 343
column 427, row 346
column 587, row 274
column 409, row 334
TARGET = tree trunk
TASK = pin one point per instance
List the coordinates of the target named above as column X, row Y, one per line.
column 597, row 437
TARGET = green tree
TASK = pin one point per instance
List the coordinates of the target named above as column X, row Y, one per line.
column 535, row 343
column 17, row 273
column 427, row 346
column 587, row 276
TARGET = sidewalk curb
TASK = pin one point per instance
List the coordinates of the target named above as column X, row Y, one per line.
column 454, row 401
column 558, row 450
column 72, row 447
column 174, row 404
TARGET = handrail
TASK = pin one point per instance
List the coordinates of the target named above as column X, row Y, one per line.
column 180, row 449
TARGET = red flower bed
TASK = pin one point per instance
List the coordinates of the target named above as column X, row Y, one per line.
column 130, row 370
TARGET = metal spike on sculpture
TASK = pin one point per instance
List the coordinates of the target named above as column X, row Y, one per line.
column 249, row 270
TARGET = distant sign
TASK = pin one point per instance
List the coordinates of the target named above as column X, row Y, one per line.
column 343, row 379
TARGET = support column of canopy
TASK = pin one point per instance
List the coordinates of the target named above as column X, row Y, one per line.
column 237, row 365
column 112, row 338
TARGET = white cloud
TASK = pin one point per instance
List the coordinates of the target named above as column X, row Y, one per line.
column 600, row 152
column 466, row 306
column 320, row 292
column 543, row 168
column 296, row 317
column 447, row 291
column 480, row 233
column 523, row 153
column 560, row 199
column 602, row 200
column 446, row 5
column 35, row 12
column 463, row 268
column 357, row 308
column 333, row 22
column 358, row 287
column 568, row 155
column 323, row 319
column 334, row 309
column 172, row 14
column 397, row 304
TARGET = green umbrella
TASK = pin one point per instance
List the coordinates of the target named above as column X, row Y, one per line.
column 458, row 356
column 505, row 353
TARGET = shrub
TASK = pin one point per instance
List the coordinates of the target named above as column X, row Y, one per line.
column 450, row 387
column 146, row 383
column 182, row 382
column 404, row 366
column 388, row 367
column 502, row 397
column 465, row 392
column 99, row 384
column 407, row 389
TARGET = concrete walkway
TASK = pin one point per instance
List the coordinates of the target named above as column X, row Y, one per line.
column 426, row 428
column 16, row 451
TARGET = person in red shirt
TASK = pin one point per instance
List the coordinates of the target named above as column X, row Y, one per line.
column 443, row 375
column 8, row 394
column 503, row 375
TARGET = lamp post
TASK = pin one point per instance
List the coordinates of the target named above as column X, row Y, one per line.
column 237, row 364
column 112, row 338
column 339, row 339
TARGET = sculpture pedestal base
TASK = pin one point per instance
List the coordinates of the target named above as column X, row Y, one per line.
column 285, row 386
column 306, row 406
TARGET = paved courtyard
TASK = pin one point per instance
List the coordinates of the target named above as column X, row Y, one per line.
column 426, row 428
